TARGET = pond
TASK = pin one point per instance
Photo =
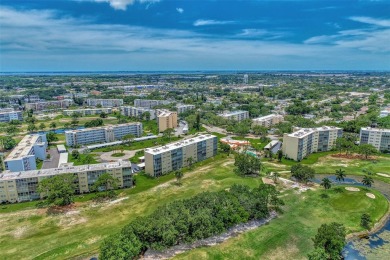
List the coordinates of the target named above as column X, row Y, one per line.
column 375, row 246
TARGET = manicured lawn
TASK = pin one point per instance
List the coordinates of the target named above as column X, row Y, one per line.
column 117, row 154
column 255, row 143
column 81, row 159
column 289, row 236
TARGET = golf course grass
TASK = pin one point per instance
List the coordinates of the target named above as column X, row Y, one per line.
column 33, row 234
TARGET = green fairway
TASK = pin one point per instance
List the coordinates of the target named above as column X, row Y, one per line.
column 289, row 236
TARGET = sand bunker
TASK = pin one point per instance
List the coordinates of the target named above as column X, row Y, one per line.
column 383, row 174
column 352, row 189
column 370, row 195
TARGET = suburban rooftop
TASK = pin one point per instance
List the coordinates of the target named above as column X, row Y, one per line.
column 99, row 127
column 24, row 147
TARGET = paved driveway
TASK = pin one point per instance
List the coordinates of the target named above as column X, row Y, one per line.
column 53, row 161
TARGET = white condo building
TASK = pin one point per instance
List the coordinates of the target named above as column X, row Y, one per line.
column 46, row 105
column 305, row 141
column 164, row 159
column 23, row 156
column 377, row 137
column 184, row 108
column 7, row 116
column 150, row 103
column 93, row 102
column 88, row 111
column 138, row 112
column 104, row 134
column 238, row 115
column 268, row 121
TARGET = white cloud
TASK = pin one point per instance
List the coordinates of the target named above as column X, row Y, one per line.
column 180, row 10
column 121, row 4
column 201, row 22
column 372, row 21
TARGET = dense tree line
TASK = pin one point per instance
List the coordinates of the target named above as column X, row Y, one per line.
column 185, row 221
column 94, row 123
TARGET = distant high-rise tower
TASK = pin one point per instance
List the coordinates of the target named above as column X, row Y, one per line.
column 246, row 79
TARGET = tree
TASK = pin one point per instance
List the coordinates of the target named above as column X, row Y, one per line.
column 30, row 113
column 197, row 122
column 53, row 125
column 280, row 155
column 366, row 150
column 326, row 183
column 122, row 246
column 7, row 142
column 330, row 238
column 340, row 175
column 367, row 181
column 129, row 138
column 275, row 177
column 67, row 125
column 259, row 130
column 88, row 159
column 318, row 254
column 179, row 176
column 51, row 137
column 106, row 182
column 12, row 130
column 365, row 221
column 146, row 115
column 58, row 190
column 302, row 173
column 270, row 154
column 246, row 164
column 103, row 115
column 75, row 154
column 42, row 126
column 74, row 122
column 225, row 147
column 190, row 161
column 31, row 128
column 168, row 133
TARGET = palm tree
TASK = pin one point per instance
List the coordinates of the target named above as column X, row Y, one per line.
column 367, row 181
column 340, row 175
column 178, row 175
column 190, row 161
column 326, row 183
column 53, row 125
column 275, row 177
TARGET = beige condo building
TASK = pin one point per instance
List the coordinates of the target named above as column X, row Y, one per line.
column 268, row 121
column 164, row 159
column 305, row 141
column 166, row 119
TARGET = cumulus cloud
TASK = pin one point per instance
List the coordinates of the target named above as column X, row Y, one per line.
column 201, row 22
column 121, row 4
column 180, row 10
column 372, row 21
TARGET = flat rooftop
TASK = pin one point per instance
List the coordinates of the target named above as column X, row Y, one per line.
column 175, row 145
column 306, row 131
column 64, row 170
column 24, row 147
column 233, row 113
column 266, row 117
column 99, row 128
column 383, row 130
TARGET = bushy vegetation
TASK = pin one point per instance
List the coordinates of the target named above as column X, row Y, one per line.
column 185, row 221
column 94, row 123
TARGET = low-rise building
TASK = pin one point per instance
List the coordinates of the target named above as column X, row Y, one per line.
column 164, row 159
column 377, row 137
column 184, row 108
column 93, row 102
column 238, row 115
column 23, row 186
column 268, row 121
column 305, row 141
column 87, row 111
column 23, row 156
column 48, row 105
column 8, row 116
column 385, row 112
column 103, row 134
column 166, row 119
column 150, row 103
column 138, row 112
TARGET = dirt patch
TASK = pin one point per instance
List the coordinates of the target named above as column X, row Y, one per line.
column 20, row 232
column 370, row 195
column 267, row 181
column 352, row 189
column 71, row 218
column 384, row 175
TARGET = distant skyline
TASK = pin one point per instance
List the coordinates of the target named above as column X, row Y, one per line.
column 177, row 35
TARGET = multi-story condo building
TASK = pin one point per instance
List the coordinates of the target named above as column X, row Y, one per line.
column 305, row 141
column 149, row 103
column 45, row 105
column 164, row 159
column 23, row 156
column 93, row 102
column 138, row 112
column 378, row 137
column 166, row 119
column 23, row 186
column 236, row 115
column 184, row 108
column 104, row 134
column 268, row 121
column 88, row 111
column 11, row 115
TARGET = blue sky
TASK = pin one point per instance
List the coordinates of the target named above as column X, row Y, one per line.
column 142, row 35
